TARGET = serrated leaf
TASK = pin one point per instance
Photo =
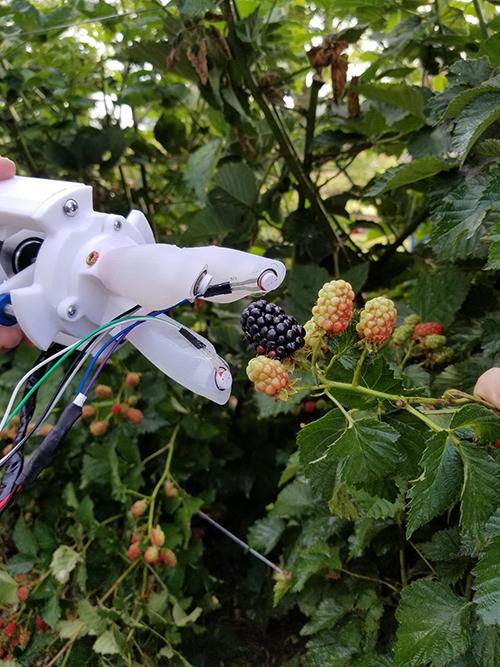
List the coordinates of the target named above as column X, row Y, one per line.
column 494, row 250
column 107, row 644
column 235, row 184
column 488, row 148
column 181, row 619
column 366, row 449
column 466, row 96
column 444, row 545
column 71, row 629
column 438, row 487
column 328, row 612
column 24, row 539
column 401, row 95
column 438, row 296
column 91, row 618
column 313, row 560
column 433, row 625
column 64, row 560
column 478, row 419
column 313, row 441
column 474, row 119
column 51, row 612
column 200, row 166
column 487, row 583
column 295, row 499
column 20, row 564
column 481, row 489
column 405, row 174
column 486, row 645
column 459, row 217
column 265, row 533
column 8, row 589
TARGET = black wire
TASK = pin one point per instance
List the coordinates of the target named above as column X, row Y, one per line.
column 21, row 442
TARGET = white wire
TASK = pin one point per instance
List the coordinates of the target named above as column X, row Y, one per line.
column 55, row 356
column 56, row 400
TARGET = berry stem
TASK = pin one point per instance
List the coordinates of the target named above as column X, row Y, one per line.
column 359, row 365
column 432, row 425
column 164, row 476
column 341, row 408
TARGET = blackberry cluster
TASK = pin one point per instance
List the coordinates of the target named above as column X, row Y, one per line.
column 271, row 331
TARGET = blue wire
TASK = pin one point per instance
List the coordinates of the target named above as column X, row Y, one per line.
column 123, row 333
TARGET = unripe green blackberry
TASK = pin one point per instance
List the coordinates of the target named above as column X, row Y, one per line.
column 411, row 320
column 268, row 375
column 434, row 342
column 314, row 333
column 377, row 320
column 443, row 355
column 271, row 331
column 333, row 309
column 402, row 334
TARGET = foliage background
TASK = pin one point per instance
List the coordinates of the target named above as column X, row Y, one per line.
column 245, row 146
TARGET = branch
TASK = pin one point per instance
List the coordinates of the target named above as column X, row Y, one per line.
column 306, row 187
column 408, row 231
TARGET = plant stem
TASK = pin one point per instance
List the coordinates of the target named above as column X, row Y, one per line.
column 480, row 16
column 468, row 587
column 374, row 579
column 432, row 425
column 164, row 476
column 402, row 567
column 359, row 365
column 341, row 408
column 378, row 394
column 121, row 578
column 311, row 124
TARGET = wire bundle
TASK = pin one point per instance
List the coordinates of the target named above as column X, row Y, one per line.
column 17, row 474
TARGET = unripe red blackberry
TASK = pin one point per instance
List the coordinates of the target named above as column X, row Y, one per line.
column 151, row 554
column 116, row 409
column 168, row 557
column 427, row 329
column 22, row 593
column 98, row 428
column 157, row 536
column 138, row 508
column 88, row 412
column 377, row 320
column 103, row 391
column 134, row 551
column 333, row 309
column 268, row 375
column 132, row 380
column 134, row 415
column 314, row 333
column 271, row 331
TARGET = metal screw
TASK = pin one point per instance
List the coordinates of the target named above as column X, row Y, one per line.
column 117, row 225
column 92, row 257
column 70, row 208
column 72, row 310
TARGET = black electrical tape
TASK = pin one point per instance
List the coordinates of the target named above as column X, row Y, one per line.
column 217, row 290
column 44, row 455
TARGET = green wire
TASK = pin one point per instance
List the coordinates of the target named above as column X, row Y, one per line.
column 67, row 354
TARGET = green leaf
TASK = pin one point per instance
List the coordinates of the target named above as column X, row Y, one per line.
column 433, row 625
column 235, row 184
column 438, row 486
column 366, row 449
column 20, row 564
column 405, row 174
column 474, row 119
column 312, row 561
column 466, row 96
column 401, row 95
column 8, row 589
column 459, row 218
column 201, row 165
column 328, row 612
column 487, row 583
column 438, row 296
column 91, row 618
column 494, row 251
column 265, row 533
column 24, row 539
column 71, row 629
column 295, row 499
column 313, row 441
column 481, row 487
column 51, row 613
column 486, row 645
column 484, row 424
column 107, row 644
column 64, row 560
column 444, row 545
column 207, row 225
column 304, row 282
column 181, row 619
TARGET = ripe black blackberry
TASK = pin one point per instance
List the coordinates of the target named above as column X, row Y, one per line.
column 271, row 331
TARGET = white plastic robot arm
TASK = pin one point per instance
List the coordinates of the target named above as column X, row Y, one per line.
column 70, row 269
